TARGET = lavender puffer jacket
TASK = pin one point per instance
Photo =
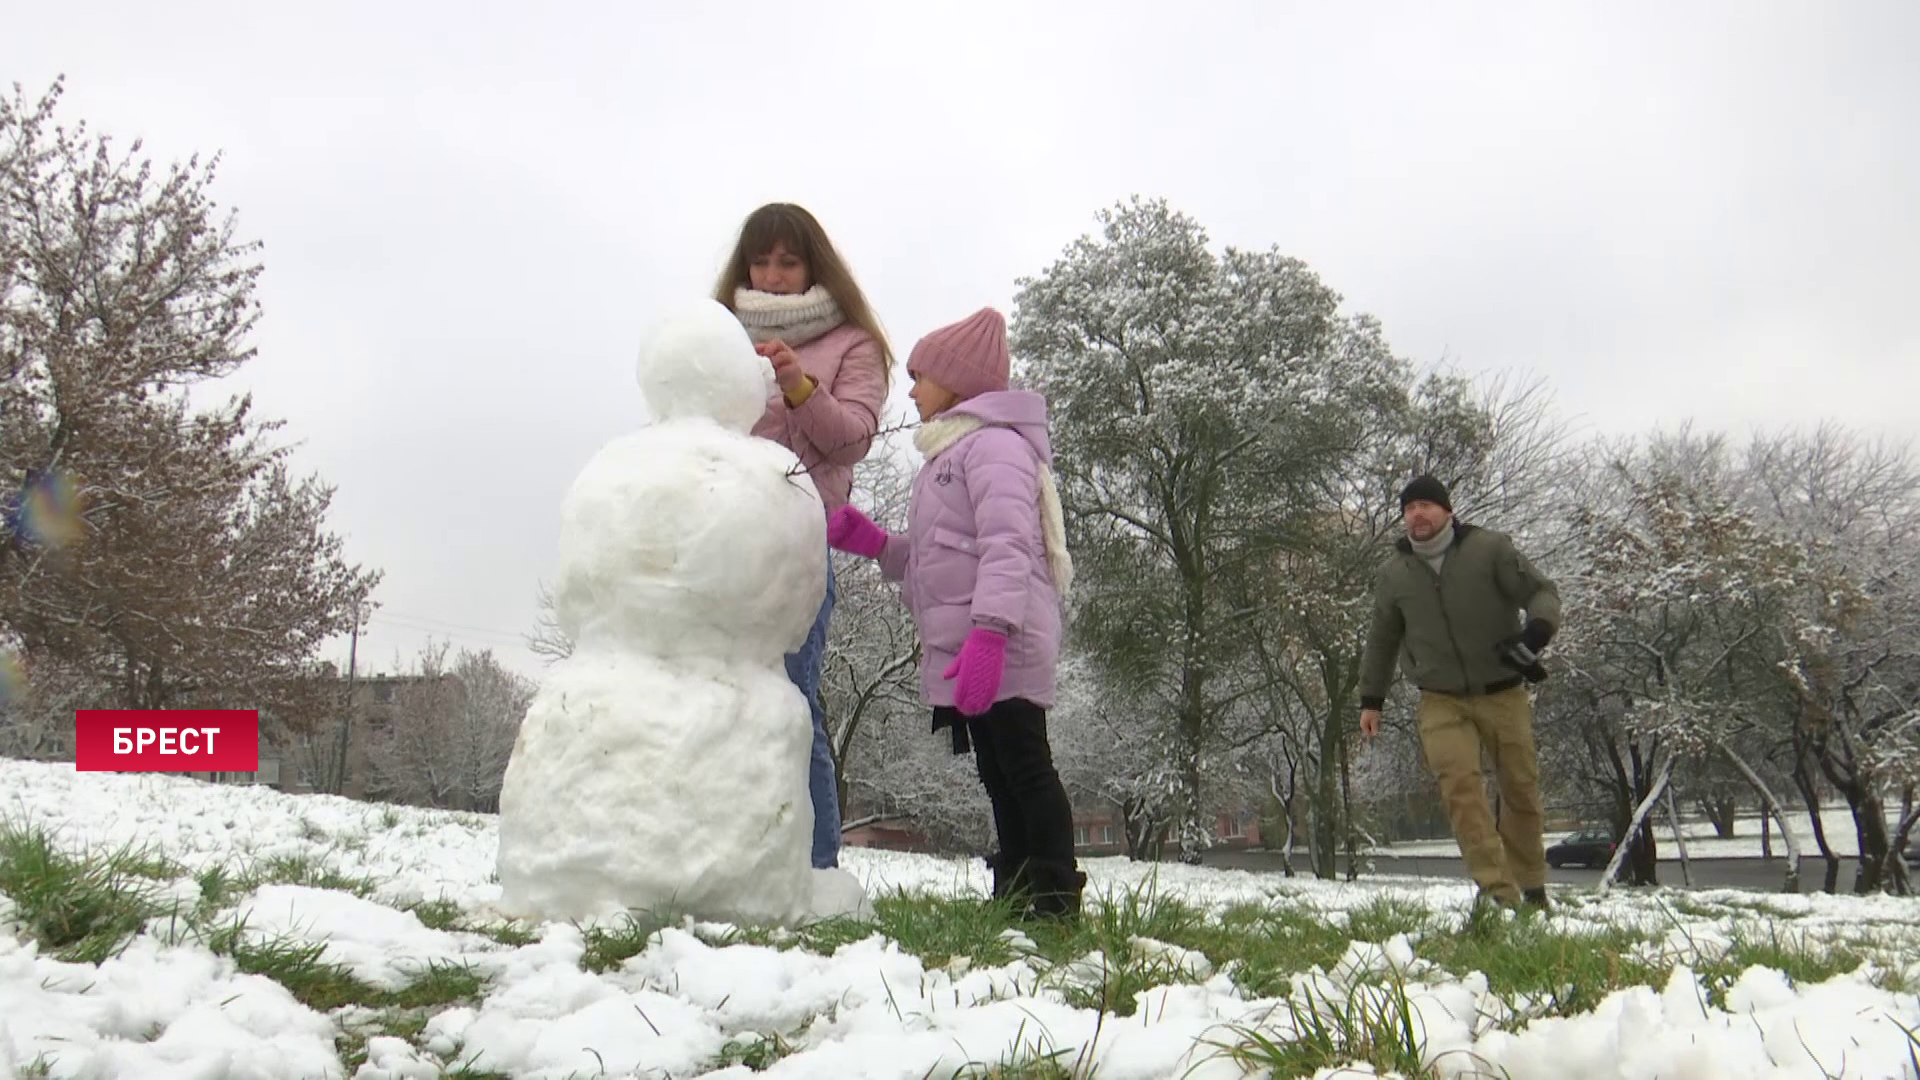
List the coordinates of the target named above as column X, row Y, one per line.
column 974, row 553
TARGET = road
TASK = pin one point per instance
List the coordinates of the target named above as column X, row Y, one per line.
column 1756, row 874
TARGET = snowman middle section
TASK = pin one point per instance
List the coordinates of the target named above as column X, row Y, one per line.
column 663, row 766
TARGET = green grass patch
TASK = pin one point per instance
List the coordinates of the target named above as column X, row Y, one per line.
column 323, row 985
column 440, row 914
column 1385, row 917
column 1033, row 1055
column 307, row 870
column 935, row 930
column 1802, row 958
column 754, row 1050
column 81, row 909
column 511, row 934
column 294, row 964
column 610, row 944
column 1562, row 973
column 1272, row 945
column 1375, row 1024
column 218, row 888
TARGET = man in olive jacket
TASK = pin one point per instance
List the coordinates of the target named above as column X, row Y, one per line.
column 1448, row 605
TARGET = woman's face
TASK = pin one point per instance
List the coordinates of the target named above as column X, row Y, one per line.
column 779, row 271
column 930, row 397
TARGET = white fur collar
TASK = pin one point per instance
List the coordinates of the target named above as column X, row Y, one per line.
column 936, row 436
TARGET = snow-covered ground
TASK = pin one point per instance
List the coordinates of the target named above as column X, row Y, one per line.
column 169, row 1008
column 1702, row 841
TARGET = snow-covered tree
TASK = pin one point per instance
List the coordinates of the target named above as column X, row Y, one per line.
column 37, row 704
column 1677, row 592
column 1111, row 755
column 1497, row 447
column 451, row 733
column 1200, row 401
column 143, row 540
column 872, row 668
column 1849, row 642
column 547, row 640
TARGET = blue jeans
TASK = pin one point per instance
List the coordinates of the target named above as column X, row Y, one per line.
column 804, row 668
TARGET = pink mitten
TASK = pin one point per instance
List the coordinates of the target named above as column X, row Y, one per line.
column 982, row 660
column 853, row 532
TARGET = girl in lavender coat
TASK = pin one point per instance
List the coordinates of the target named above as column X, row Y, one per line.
column 983, row 565
column 809, row 319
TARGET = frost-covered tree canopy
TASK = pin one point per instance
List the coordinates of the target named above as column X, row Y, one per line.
column 164, row 549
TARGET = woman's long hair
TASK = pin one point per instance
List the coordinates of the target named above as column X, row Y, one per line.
column 793, row 228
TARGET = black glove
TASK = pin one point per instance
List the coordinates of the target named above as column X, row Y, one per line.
column 1537, row 634
column 1521, row 657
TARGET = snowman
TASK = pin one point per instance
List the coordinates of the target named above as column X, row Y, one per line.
column 663, row 765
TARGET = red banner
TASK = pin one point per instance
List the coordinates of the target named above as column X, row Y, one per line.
column 166, row 740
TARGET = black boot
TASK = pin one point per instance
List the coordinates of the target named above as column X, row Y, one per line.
column 1536, row 898
column 1009, row 877
column 1056, row 889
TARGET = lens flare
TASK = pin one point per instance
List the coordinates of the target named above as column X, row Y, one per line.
column 47, row 511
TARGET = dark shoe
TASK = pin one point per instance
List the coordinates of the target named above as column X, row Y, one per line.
column 1056, row 889
column 1009, row 876
column 1536, row 898
column 1489, row 900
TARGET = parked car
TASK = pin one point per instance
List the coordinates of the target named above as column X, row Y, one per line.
column 1913, row 853
column 1588, row 847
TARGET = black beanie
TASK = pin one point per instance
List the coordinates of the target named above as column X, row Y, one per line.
column 1426, row 489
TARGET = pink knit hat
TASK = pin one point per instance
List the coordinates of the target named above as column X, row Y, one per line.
column 969, row 357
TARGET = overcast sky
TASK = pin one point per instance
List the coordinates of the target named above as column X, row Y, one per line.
column 470, row 211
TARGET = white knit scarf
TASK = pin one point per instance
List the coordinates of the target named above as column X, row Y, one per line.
column 934, row 437
column 794, row 319
column 1434, row 548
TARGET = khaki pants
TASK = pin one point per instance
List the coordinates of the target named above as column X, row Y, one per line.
column 1507, row 856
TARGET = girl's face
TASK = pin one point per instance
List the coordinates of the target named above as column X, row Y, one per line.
column 930, row 397
column 779, row 271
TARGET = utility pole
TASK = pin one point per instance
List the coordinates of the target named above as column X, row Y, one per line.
column 338, row 782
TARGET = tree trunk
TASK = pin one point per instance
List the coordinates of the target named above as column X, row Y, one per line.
column 1770, row 811
column 1679, row 840
column 1324, row 801
column 1723, row 812
column 1146, row 833
column 1286, row 811
column 1803, row 779
column 1896, row 873
column 1193, row 707
column 1644, row 848
column 1346, row 801
column 1634, row 827
column 1870, row 825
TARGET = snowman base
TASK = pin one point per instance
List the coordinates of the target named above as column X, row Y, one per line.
column 704, row 830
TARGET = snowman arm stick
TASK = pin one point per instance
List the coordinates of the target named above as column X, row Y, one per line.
column 840, row 421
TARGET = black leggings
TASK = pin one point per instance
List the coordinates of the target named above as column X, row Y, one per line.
column 1031, row 812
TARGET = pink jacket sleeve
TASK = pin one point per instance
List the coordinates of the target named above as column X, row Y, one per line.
column 839, row 421
column 1003, row 481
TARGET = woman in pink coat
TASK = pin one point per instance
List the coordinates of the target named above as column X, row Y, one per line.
column 807, row 316
column 983, row 566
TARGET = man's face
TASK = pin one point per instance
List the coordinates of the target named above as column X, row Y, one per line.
column 1424, row 519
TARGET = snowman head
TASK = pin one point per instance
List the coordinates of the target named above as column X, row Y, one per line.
column 697, row 362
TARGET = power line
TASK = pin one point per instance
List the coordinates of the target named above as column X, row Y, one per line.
column 444, row 622
column 469, row 635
